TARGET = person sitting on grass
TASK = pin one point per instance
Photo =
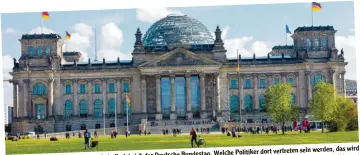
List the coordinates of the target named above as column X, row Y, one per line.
column 193, row 137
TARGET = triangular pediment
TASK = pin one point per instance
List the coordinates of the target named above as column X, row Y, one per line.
column 180, row 57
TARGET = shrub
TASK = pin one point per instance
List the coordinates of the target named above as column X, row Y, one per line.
column 23, row 137
column 53, row 139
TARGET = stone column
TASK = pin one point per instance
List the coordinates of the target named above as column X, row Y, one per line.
column 332, row 78
column 188, row 96
column 241, row 96
column 343, row 85
column 26, row 104
column 90, row 102
column 255, row 94
column 309, row 86
column 283, row 77
column 59, row 98
column 173, row 115
column 143, row 94
column 105, row 103
column 217, row 93
column 158, row 115
column 202, row 96
column 50, row 98
column 118, row 98
column 15, row 99
column 269, row 79
column 76, row 102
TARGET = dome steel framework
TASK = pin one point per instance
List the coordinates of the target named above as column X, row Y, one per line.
column 177, row 29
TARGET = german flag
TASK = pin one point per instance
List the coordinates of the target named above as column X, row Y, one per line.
column 45, row 15
column 127, row 99
column 68, row 36
column 316, row 7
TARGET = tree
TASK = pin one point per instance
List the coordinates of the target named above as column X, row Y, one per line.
column 279, row 104
column 353, row 117
column 343, row 114
column 323, row 103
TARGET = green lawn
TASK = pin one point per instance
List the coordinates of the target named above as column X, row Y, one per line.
column 136, row 142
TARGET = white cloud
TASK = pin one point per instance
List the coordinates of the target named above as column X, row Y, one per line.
column 352, row 30
column 111, row 40
column 151, row 15
column 348, row 44
column 10, row 30
column 39, row 30
column 260, row 48
column 7, row 67
column 80, row 40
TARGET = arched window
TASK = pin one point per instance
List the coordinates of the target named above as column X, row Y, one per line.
column 293, row 99
column 308, row 43
column 98, row 109
column 83, row 109
column 233, row 83
column 39, row 89
column 31, row 51
column 68, row 109
column 248, row 103
column 323, row 42
column 47, row 50
column 39, row 51
column 262, row 105
column 317, row 78
column 125, row 106
column 111, row 107
column 234, row 104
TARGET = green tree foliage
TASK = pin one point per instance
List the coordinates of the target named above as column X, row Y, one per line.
column 353, row 123
column 323, row 103
column 344, row 113
column 279, row 104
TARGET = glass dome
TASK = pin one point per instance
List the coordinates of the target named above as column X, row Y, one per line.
column 177, row 29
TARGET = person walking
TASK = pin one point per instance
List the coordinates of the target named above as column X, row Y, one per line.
column 193, row 137
column 87, row 139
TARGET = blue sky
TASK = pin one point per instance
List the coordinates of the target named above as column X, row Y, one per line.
column 249, row 28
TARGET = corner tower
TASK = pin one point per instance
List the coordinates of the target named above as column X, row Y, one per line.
column 41, row 51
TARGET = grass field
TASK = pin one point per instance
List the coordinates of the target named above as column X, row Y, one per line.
column 136, row 142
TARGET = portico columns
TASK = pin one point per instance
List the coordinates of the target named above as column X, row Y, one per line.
column 255, row 99
column 76, row 102
column 308, row 79
column 173, row 115
column 202, row 96
column 15, row 99
column 158, row 115
column 188, row 96
column 51, row 98
column 143, row 94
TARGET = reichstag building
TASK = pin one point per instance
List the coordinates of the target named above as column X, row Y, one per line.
column 179, row 72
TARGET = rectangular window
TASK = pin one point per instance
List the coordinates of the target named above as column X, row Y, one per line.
column 82, row 88
column 262, row 83
column 40, row 111
column 233, row 84
column 247, row 84
column 67, row 89
column 291, row 81
column 126, row 87
column 111, row 87
column 97, row 88
column 276, row 81
column 97, row 126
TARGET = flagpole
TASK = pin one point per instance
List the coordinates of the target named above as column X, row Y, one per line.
column 286, row 37
column 238, row 71
column 312, row 16
column 127, row 114
column 42, row 25
column 115, row 114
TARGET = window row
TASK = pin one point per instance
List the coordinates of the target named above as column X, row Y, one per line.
column 248, row 103
column 39, row 50
column 316, row 44
column 96, row 88
column 98, row 108
column 261, row 82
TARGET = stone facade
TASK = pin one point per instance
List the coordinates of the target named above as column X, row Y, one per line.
column 139, row 80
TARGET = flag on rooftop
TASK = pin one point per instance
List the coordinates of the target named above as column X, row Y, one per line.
column 45, row 15
column 316, row 7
